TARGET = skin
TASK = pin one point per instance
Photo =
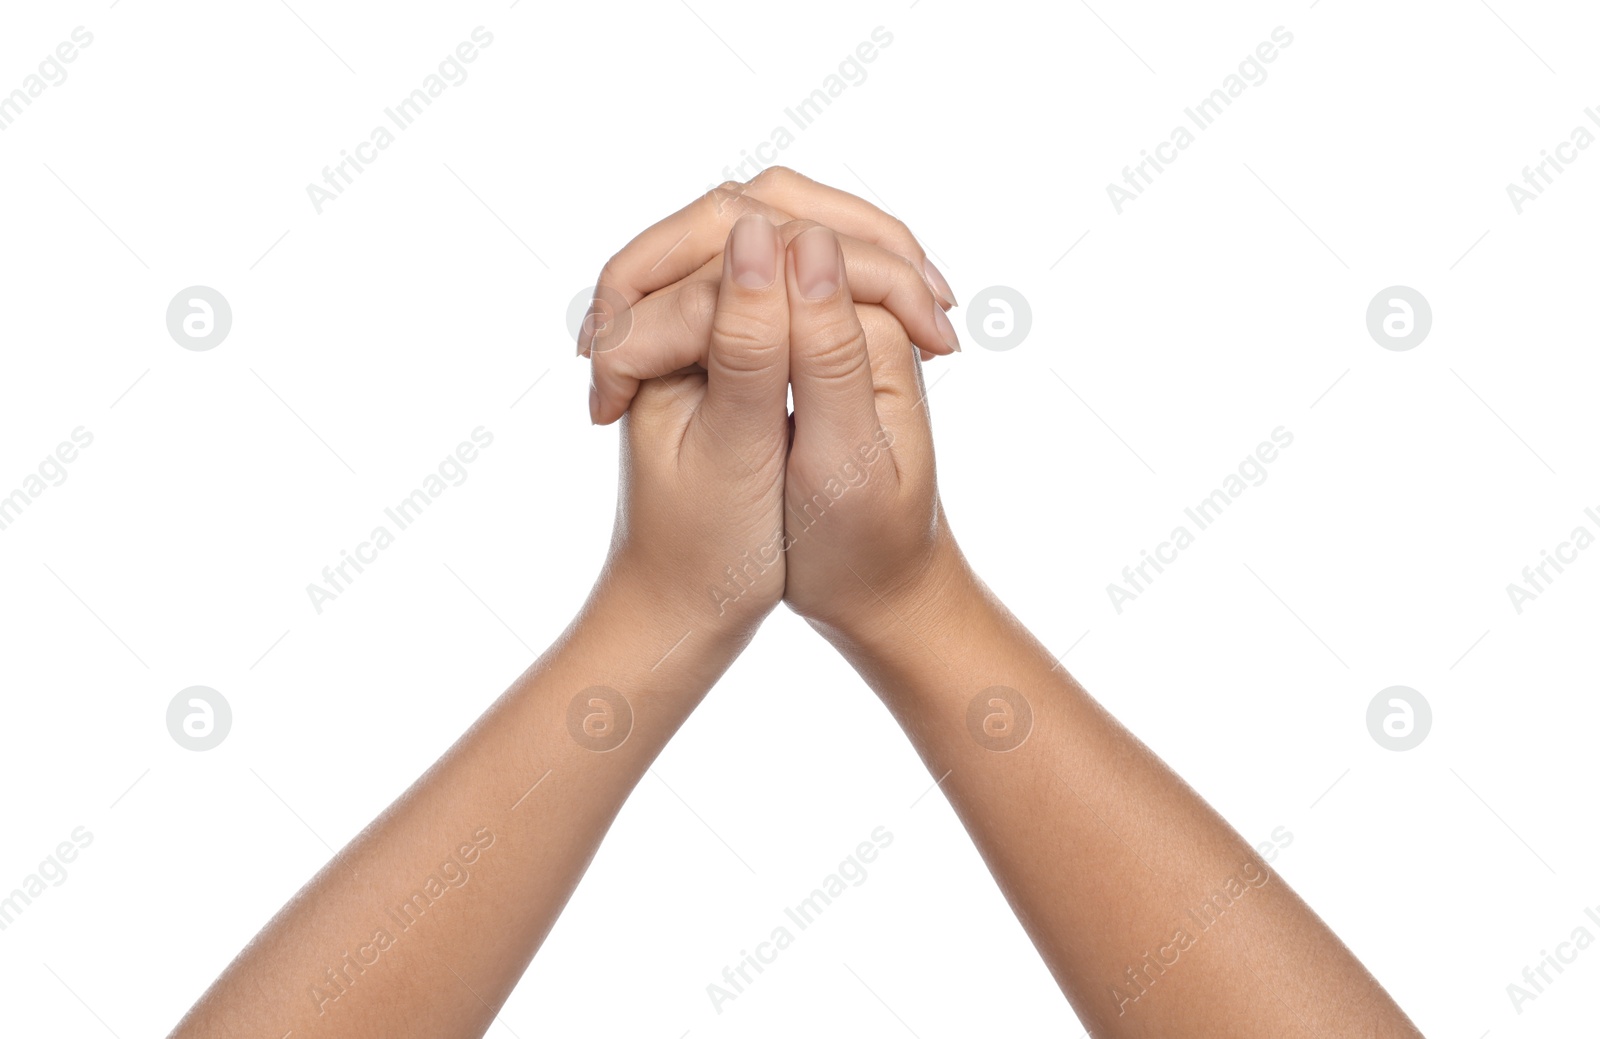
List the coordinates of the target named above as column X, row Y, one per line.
column 1101, row 849
column 728, row 505
column 655, row 298
column 702, row 482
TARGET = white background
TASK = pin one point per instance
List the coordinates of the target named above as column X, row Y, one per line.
column 1228, row 300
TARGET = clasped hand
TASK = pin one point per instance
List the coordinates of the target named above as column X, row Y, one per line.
column 728, row 502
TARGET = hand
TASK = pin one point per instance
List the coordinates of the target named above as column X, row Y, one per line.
column 699, row 515
column 867, row 536
column 655, row 298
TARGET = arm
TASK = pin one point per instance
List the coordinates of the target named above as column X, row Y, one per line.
column 1154, row 916
column 423, row 923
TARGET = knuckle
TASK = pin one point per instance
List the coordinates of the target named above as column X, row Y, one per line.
column 652, row 393
column 877, row 324
column 727, row 195
column 899, row 232
column 744, row 340
column 792, row 229
column 774, row 176
column 836, row 347
column 650, row 412
column 697, row 306
column 607, row 324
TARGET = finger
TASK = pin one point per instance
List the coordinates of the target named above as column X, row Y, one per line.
column 828, row 363
column 900, row 392
column 747, row 366
column 877, row 275
column 849, row 214
column 668, row 329
column 678, row 245
column 673, row 248
column 666, row 332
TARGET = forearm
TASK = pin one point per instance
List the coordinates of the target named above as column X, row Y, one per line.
column 1109, row 859
column 423, row 923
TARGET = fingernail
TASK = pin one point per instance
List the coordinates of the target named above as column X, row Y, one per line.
column 935, row 279
column 816, row 264
column 947, row 331
column 594, row 404
column 752, row 252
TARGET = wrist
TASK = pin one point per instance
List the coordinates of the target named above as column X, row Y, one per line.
column 653, row 606
column 624, row 675
column 924, row 609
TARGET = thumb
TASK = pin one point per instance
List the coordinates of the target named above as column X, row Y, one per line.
column 747, row 368
column 834, row 397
